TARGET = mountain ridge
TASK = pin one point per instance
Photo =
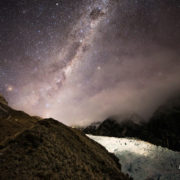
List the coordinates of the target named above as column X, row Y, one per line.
column 162, row 128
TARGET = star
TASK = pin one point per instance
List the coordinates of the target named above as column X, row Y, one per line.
column 86, row 60
column 9, row 88
column 98, row 68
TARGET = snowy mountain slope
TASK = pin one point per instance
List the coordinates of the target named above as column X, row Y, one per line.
column 142, row 160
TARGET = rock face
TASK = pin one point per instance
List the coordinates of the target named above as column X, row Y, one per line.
column 37, row 148
column 162, row 129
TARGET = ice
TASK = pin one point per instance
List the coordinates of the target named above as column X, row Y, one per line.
column 142, row 160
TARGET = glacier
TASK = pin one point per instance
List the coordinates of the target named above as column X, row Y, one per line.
column 142, row 160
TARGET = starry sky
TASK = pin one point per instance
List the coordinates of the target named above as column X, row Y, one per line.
column 82, row 61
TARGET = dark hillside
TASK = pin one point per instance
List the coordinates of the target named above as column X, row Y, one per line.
column 47, row 149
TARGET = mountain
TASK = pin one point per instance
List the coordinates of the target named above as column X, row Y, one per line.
column 165, row 124
column 142, row 160
column 113, row 127
column 35, row 148
column 126, row 126
column 162, row 128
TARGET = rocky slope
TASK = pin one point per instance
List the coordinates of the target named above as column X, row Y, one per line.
column 46, row 149
column 162, row 129
column 13, row 122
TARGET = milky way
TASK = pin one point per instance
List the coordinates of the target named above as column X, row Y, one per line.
column 82, row 61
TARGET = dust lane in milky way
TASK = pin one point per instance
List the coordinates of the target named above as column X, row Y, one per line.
column 83, row 61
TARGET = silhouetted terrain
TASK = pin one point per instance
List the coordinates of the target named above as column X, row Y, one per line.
column 34, row 148
column 162, row 129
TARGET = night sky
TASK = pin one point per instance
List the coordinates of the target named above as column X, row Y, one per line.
column 83, row 60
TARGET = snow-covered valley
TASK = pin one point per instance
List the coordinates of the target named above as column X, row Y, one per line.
column 142, row 160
